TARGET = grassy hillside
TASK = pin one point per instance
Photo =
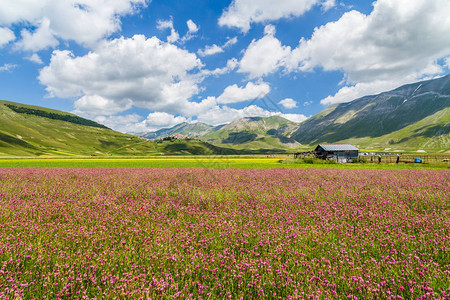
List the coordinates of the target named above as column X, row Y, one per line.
column 195, row 147
column 431, row 134
column 193, row 130
column 411, row 117
column 32, row 130
column 255, row 133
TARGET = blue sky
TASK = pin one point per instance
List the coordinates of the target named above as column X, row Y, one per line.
column 138, row 65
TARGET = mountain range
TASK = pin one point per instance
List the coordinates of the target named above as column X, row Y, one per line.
column 250, row 133
column 414, row 116
column 411, row 117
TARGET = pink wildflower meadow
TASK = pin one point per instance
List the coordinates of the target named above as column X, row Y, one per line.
column 227, row 234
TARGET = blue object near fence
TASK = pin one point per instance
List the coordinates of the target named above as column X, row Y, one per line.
column 418, row 160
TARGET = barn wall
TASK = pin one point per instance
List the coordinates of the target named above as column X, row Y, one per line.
column 344, row 157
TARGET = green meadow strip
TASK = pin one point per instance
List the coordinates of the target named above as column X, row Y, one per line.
column 214, row 162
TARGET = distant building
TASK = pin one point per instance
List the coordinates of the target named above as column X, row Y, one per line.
column 341, row 153
column 175, row 136
column 179, row 136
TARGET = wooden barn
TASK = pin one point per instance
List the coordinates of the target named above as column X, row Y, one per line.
column 341, row 153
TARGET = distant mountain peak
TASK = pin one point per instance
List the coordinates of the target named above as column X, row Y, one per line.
column 410, row 116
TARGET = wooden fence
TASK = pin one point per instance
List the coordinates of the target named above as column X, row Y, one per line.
column 407, row 158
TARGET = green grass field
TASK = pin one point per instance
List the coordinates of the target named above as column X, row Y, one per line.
column 216, row 162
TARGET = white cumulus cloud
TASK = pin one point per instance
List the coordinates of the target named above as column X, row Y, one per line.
column 146, row 71
column 222, row 115
column 328, row 4
column 264, row 56
column 214, row 49
column 234, row 94
column 298, row 118
column 231, row 65
column 288, row 103
column 168, row 24
column 242, row 13
column 7, row 67
column 35, row 58
column 210, row 50
column 193, row 28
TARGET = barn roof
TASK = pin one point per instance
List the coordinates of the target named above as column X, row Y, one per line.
column 338, row 147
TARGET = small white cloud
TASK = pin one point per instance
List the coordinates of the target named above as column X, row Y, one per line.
column 288, row 103
column 270, row 30
column 234, row 94
column 210, row 50
column 307, row 103
column 173, row 37
column 193, row 28
column 168, row 24
column 328, row 4
column 297, row 118
column 230, row 42
column 231, row 65
column 164, row 24
column 6, row 36
column 7, row 67
column 35, row 58
column 214, row 49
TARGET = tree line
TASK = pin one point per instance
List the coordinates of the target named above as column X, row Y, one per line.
column 54, row 116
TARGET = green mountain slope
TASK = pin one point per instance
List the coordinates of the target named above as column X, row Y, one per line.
column 25, row 133
column 194, row 147
column 254, row 133
column 193, row 130
column 27, row 130
column 411, row 117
